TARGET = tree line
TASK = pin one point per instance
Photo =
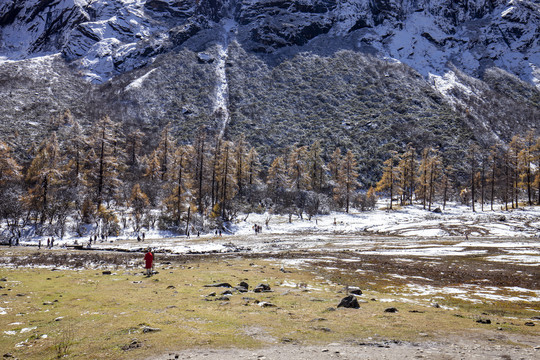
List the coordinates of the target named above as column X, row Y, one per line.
column 105, row 180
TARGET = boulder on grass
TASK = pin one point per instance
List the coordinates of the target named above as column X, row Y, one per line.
column 224, row 284
column 349, row 302
column 262, row 288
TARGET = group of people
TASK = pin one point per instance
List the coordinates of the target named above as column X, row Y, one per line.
column 50, row 243
column 257, row 228
column 140, row 238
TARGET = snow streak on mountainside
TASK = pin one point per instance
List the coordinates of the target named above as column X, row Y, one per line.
column 110, row 37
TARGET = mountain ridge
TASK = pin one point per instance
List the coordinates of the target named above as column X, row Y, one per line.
column 371, row 76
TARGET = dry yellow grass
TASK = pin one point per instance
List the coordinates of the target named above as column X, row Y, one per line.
column 84, row 314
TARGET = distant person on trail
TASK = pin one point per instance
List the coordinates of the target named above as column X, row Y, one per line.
column 148, row 259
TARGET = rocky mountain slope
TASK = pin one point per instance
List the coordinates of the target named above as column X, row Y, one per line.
column 371, row 75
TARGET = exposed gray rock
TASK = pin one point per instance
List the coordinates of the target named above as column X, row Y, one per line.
column 223, row 284
column 349, row 302
column 262, row 288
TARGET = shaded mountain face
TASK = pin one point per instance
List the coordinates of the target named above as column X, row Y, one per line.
column 110, row 37
column 371, row 76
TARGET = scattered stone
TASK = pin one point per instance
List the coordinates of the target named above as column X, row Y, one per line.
column 8, row 355
column 266, row 304
column 106, row 272
column 286, row 340
column 171, row 287
column 349, row 302
column 227, row 292
column 325, row 350
column 483, row 321
column 134, row 344
column 262, row 288
column 3, row 279
column 48, row 303
column 318, row 319
column 59, row 318
column 416, row 311
column 355, row 290
column 20, row 295
column 535, row 318
column 211, row 294
column 147, row 329
column 529, row 323
column 244, row 285
column 323, row 329
column 502, row 218
column 330, row 309
column 391, row 310
column 241, row 289
column 223, row 298
column 224, row 284
column 435, row 305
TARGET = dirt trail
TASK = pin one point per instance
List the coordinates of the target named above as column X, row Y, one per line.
column 462, row 348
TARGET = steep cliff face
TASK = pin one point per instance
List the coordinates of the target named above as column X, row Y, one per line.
column 367, row 75
column 110, row 37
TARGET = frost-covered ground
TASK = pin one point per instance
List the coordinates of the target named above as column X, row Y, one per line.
column 492, row 255
column 410, row 230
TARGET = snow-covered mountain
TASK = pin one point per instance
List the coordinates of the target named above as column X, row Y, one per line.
column 109, row 37
column 366, row 75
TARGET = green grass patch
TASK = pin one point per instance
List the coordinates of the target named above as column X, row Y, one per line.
column 84, row 314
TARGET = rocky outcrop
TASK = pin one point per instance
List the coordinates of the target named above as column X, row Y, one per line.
column 107, row 38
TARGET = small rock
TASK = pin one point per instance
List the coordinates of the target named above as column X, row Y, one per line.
column 8, row 355
column 391, row 310
column 3, row 279
column 224, row 284
column 349, row 302
column 211, row 294
column 227, row 292
column 435, row 305
column 483, row 321
column 223, row 298
column 48, row 303
column 106, row 272
column 147, row 329
column 330, row 309
column 262, row 288
column 355, row 291
column 266, row 304
column 244, row 285
column 59, row 318
column 171, row 287
column 323, row 329
column 529, row 323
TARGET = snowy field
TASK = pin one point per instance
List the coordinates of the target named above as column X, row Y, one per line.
column 419, row 243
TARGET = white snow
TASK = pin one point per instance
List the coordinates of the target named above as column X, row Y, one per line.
column 137, row 83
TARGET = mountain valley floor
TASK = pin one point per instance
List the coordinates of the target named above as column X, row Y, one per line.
column 471, row 294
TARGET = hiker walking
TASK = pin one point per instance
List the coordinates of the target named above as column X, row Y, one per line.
column 148, row 259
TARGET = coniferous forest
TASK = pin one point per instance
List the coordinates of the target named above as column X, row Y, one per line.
column 102, row 181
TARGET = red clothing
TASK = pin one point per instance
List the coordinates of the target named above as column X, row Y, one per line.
column 148, row 258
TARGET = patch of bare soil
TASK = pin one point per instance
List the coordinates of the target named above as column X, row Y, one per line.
column 478, row 346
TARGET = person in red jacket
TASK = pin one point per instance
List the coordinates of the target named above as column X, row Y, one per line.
column 148, row 259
